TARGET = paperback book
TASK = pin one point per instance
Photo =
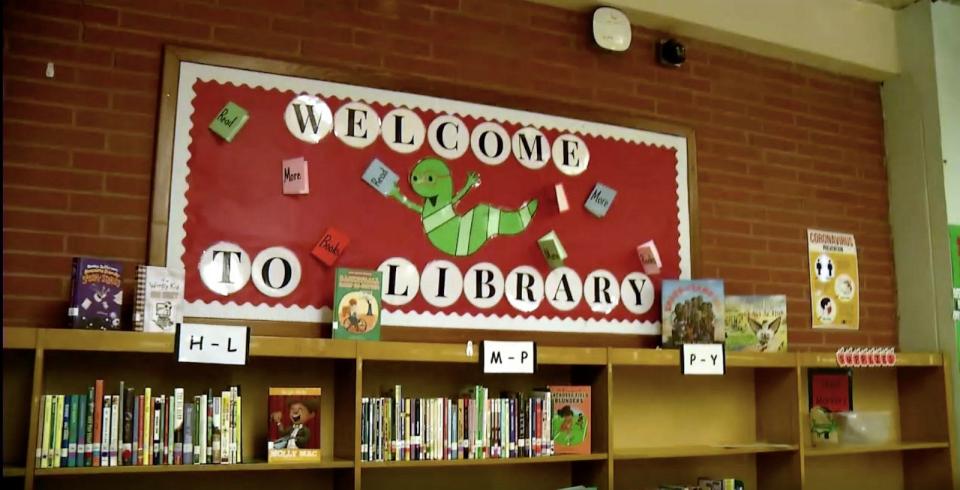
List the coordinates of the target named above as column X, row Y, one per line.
column 159, row 302
column 756, row 323
column 96, row 297
column 356, row 304
column 692, row 312
column 294, row 425
column 571, row 419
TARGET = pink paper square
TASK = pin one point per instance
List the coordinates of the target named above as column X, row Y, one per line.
column 649, row 257
column 295, row 180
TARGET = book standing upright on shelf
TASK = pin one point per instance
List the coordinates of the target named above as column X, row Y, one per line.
column 571, row 423
column 96, row 294
column 692, row 312
column 159, row 303
column 293, row 433
column 356, row 305
column 756, row 323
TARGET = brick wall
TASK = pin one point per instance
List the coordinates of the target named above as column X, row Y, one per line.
column 780, row 147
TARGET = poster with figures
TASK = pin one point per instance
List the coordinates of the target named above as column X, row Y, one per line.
column 447, row 199
column 834, row 280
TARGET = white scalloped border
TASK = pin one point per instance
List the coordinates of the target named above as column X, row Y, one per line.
column 191, row 72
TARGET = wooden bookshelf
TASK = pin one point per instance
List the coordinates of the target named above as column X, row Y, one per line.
column 651, row 424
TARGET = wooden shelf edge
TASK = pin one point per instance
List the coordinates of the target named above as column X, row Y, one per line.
column 812, row 452
column 671, row 357
column 14, row 471
column 19, row 338
column 695, row 451
column 565, row 458
column 457, row 353
column 257, row 466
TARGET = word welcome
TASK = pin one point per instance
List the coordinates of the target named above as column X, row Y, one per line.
column 308, row 118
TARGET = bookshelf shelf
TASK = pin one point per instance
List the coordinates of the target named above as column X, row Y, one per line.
column 878, row 448
column 565, row 458
column 695, row 451
column 639, row 397
column 205, row 468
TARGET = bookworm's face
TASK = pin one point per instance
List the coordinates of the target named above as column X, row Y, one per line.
column 300, row 414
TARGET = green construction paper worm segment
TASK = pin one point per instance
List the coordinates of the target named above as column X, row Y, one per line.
column 453, row 234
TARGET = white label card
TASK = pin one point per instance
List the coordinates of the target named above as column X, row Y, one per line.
column 703, row 359
column 212, row 344
column 499, row 357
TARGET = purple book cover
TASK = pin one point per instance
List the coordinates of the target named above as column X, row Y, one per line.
column 97, row 294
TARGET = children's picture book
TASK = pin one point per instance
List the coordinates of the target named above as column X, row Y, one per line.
column 294, row 425
column 570, row 419
column 159, row 303
column 692, row 312
column 96, row 297
column 356, row 303
column 756, row 323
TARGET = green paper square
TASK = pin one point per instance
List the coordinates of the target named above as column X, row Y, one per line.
column 229, row 121
column 552, row 250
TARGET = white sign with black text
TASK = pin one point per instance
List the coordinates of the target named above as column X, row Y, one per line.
column 500, row 357
column 212, row 344
column 702, row 359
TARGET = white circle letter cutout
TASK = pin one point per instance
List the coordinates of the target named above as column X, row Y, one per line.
column 483, row 285
column 356, row 124
column 403, row 130
column 531, row 148
column 490, row 143
column 400, row 282
column 224, row 268
column 448, row 137
column 563, row 288
column 570, row 154
column 308, row 118
column 601, row 291
column 276, row 272
column 441, row 283
column 637, row 293
column 524, row 288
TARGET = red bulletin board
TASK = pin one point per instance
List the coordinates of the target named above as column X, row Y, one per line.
column 231, row 192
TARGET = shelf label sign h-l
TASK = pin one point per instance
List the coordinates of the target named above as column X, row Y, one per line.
column 212, row 344
column 703, row 359
column 500, row 357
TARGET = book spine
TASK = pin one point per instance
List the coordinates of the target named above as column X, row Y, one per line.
column 41, row 421
column 105, row 431
column 135, row 427
column 224, row 427
column 208, row 457
column 88, row 435
column 155, row 430
column 171, row 429
column 204, row 431
column 363, row 430
column 164, row 427
column 73, row 313
column 126, row 448
column 141, row 439
column 178, row 426
column 81, row 428
column 197, row 430
column 65, row 437
column 216, row 430
column 146, row 438
column 97, row 421
column 237, row 426
column 140, row 300
column 115, row 415
column 56, row 426
column 188, row 426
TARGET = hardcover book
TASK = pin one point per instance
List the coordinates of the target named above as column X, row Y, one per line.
column 159, row 303
column 756, row 323
column 96, row 295
column 356, row 303
column 293, row 425
column 570, row 419
column 692, row 312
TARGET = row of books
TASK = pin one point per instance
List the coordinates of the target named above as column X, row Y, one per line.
column 708, row 484
column 475, row 426
column 126, row 429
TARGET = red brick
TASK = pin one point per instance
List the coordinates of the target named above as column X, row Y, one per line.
column 108, row 247
column 320, row 31
column 225, row 15
column 38, row 113
column 108, row 162
column 27, row 241
column 130, row 144
column 105, row 36
column 20, row 262
column 167, row 25
column 125, row 227
column 143, row 104
column 23, row 285
column 52, row 178
column 35, row 69
column 57, row 51
column 134, row 123
column 118, row 80
column 109, row 205
column 137, row 62
column 624, row 101
column 51, row 93
column 285, row 7
column 24, row 198
column 130, row 185
column 53, row 136
column 32, row 312
column 258, row 41
column 49, row 221
column 41, row 26
column 87, row 13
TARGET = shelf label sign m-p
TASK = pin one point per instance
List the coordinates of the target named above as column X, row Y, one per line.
column 499, row 357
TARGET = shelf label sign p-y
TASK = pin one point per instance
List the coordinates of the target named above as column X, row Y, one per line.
column 702, row 359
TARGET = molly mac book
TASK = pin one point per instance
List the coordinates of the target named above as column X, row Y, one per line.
column 96, row 297
column 356, row 305
column 692, row 312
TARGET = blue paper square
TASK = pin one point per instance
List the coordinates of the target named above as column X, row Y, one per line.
column 380, row 177
column 600, row 200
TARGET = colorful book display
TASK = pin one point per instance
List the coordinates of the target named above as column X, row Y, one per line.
column 356, row 303
column 756, row 323
column 293, row 433
column 96, row 296
column 692, row 312
column 570, row 423
column 470, row 426
column 99, row 429
column 159, row 302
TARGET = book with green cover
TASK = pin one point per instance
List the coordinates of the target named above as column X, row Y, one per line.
column 229, row 121
column 72, row 442
column 356, row 304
